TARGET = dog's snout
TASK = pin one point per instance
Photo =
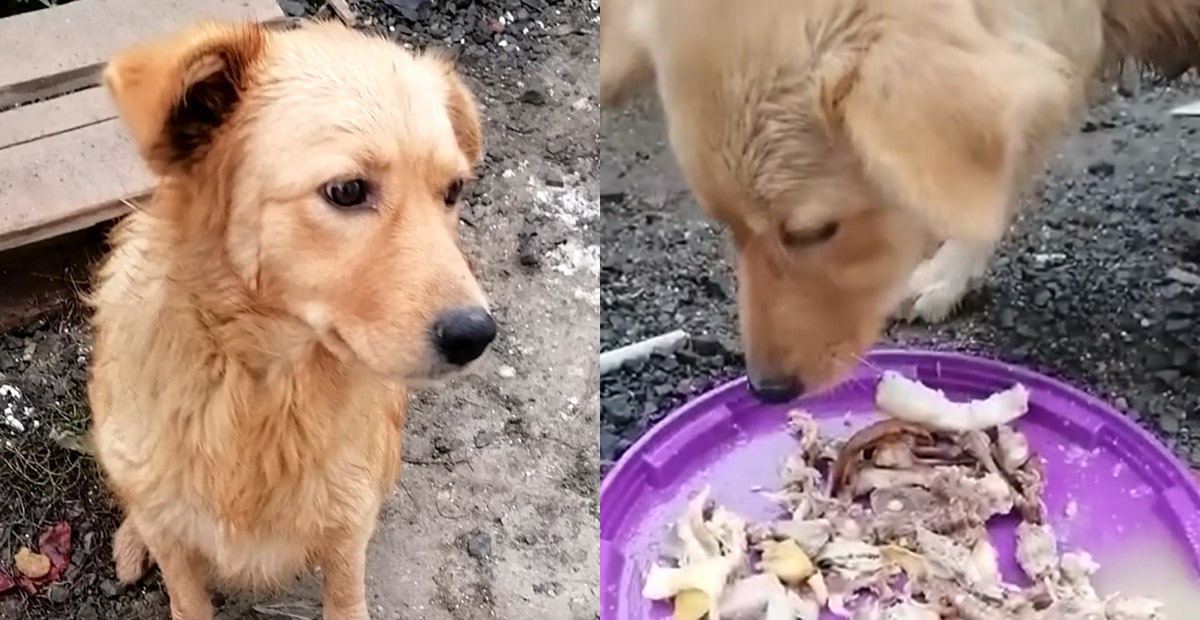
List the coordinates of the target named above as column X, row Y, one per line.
column 462, row 334
column 775, row 390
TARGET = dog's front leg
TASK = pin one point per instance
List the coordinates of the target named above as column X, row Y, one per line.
column 186, row 576
column 345, row 592
column 940, row 283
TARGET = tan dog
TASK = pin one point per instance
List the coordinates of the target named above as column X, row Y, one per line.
column 841, row 140
column 255, row 326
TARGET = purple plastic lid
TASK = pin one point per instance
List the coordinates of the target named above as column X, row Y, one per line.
column 1120, row 482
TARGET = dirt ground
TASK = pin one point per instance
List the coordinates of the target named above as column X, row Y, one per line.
column 495, row 515
column 1096, row 284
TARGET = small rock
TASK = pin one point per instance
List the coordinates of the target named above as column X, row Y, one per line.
column 553, row 178
column 87, row 612
column 508, row 372
column 527, row 251
column 1183, row 276
column 57, row 593
column 479, row 545
column 110, row 588
column 443, row 444
column 533, row 97
column 483, row 439
column 1102, row 169
column 707, row 346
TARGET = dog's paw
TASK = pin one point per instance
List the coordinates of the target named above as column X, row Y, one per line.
column 936, row 301
column 939, row 284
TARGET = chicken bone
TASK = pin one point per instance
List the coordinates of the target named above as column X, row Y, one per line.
column 712, row 549
column 1012, row 448
column 811, row 535
column 910, row 610
column 1037, row 550
column 974, row 569
column 802, row 425
column 763, row 596
column 851, row 457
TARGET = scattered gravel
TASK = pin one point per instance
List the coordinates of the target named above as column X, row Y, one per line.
column 1100, row 285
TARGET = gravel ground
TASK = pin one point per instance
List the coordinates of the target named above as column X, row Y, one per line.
column 1097, row 285
column 496, row 515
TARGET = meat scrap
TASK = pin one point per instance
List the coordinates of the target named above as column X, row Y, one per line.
column 890, row 523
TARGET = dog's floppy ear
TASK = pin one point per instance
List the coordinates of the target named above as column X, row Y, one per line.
column 461, row 107
column 941, row 128
column 174, row 94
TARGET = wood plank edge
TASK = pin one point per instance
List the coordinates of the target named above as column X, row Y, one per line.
column 81, row 78
column 78, row 220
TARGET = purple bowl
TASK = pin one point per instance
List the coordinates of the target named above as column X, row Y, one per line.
column 1122, row 482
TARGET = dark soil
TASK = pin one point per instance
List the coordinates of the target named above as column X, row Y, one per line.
column 1083, row 288
column 45, row 476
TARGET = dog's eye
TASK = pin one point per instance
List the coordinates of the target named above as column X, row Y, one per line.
column 348, row 194
column 453, row 192
column 799, row 239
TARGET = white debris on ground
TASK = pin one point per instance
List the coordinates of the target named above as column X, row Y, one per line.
column 13, row 412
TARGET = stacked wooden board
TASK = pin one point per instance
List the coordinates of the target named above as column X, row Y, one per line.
column 66, row 165
column 65, row 161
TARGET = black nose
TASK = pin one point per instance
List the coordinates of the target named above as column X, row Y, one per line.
column 462, row 334
column 775, row 390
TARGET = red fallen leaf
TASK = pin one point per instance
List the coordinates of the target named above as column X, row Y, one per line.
column 55, row 543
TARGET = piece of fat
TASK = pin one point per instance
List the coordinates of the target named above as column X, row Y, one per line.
column 912, row 401
column 1135, row 608
column 763, row 597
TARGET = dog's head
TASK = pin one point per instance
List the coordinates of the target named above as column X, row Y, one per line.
column 837, row 146
column 317, row 173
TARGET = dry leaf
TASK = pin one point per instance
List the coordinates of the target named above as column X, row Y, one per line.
column 32, row 565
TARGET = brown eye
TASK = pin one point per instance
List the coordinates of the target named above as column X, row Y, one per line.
column 800, row 239
column 453, row 192
column 348, row 194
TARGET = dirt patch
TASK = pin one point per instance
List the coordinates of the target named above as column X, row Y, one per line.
column 495, row 515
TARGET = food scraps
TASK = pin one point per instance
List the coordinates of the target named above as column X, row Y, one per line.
column 890, row 524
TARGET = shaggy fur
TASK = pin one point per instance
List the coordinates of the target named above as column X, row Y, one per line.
column 252, row 342
column 841, row 140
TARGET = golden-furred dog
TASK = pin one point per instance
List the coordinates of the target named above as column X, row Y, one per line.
column 255, row 325
column 840, row 141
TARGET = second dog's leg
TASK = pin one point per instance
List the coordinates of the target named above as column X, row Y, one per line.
column 186, row 577
column 345, row 590
column 940, row 282
column 624, row 63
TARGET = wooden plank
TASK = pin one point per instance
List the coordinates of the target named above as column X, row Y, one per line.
column 54, row 51
column 39, row 120
column 68, row 181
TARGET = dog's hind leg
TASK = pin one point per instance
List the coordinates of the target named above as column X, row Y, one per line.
column 939, row 284
column 129, row 552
